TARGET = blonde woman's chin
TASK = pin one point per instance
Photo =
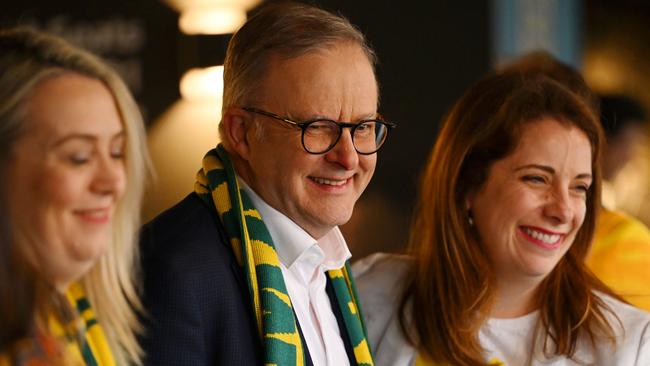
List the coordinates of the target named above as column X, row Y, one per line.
column 60, row 275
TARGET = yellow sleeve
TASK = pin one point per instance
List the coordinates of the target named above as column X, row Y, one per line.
column 620, row 257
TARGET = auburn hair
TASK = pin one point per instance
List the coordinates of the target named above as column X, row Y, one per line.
column 451, row 285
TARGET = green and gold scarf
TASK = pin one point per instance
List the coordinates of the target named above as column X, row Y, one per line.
column 423, row 361
column 217, row 185
column 75, row 342
column 94, row 348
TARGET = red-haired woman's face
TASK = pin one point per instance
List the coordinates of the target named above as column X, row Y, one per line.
column 533, row 202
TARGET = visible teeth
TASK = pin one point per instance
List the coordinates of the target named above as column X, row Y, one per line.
column 546, row 238
column 330, row 182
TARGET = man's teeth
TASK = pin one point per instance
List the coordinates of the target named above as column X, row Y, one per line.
column 330, row 182
column 546, row 238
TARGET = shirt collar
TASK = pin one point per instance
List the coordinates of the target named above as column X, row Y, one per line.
column 291, row 241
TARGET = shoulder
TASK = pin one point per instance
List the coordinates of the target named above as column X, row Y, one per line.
column 194, row 292
column 185, row 232
column 380, row 277
column 184, row 252
column 632, row 333
column 383, row 267
column 187, row 215
column 380, row 282
column 634, row 320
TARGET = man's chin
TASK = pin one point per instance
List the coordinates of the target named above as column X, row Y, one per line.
column 321, row 222
column 334, row 220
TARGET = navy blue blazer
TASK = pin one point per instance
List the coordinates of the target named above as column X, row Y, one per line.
column 198, row 308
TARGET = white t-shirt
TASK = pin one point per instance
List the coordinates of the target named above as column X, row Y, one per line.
column 379, row 280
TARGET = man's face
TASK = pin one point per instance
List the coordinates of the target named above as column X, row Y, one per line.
column 317, row 192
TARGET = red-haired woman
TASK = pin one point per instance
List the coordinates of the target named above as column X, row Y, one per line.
column 505, row 218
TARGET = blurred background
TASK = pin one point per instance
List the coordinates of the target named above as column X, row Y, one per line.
column 430, row 51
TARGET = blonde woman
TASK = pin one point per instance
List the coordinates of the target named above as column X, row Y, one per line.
column 73, row 142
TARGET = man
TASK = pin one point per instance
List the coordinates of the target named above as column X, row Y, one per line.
column 250, row 269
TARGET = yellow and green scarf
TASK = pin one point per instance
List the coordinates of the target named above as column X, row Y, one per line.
column 423, row 361
column 79, row 342
column 217, row 185
column 93, row 347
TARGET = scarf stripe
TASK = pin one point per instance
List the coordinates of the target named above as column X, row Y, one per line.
column 95, row 349
column 345, row 294
column 216, row 184
column 80, row 341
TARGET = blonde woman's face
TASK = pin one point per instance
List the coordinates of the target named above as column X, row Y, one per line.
column 67, row 174
column 533, row 203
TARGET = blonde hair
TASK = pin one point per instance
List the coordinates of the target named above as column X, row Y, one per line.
column 27, row 57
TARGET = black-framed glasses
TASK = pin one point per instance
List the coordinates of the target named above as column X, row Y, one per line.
column 321, row 135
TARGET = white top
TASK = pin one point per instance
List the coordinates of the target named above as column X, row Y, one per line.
column 379, row 283
column 304, row 261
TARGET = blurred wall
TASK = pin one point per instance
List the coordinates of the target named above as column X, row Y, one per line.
column 617, row 61
column 138, row 37
column 429, row 52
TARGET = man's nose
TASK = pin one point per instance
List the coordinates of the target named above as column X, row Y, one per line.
column 344, row 153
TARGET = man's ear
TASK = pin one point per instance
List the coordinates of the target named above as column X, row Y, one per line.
column 236, row 123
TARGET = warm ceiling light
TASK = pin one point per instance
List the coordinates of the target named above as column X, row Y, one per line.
column 181, row 5
column 202, row 84
column 603, row 70
column 212, row 19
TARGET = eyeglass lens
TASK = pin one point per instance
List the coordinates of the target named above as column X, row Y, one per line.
column 320, row 136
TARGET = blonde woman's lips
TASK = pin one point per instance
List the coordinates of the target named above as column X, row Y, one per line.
column 95, row 215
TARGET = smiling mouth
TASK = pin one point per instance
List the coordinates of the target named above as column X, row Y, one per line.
column 99, row 215
column 544, row 239
column 330, row 182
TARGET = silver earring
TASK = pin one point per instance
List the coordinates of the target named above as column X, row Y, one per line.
column 470, row 219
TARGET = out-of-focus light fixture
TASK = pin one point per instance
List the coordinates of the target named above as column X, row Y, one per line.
column 202, row 84
column 211, row 16
column 212, row 20
column 604, row 70
column 181, row 5
column 178, row 141
column 182, row 135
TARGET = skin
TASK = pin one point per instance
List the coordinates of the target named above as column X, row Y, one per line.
column 317, row 192
column 67, row 175
column 529, row 210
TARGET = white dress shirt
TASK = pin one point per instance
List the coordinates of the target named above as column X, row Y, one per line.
column 304, row 261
